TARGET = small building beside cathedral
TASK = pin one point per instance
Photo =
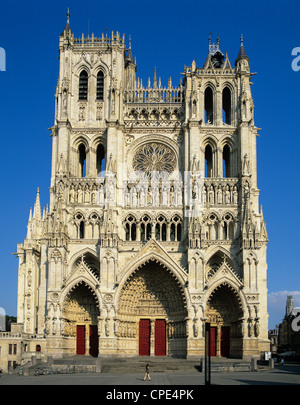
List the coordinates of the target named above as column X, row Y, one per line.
column 154, row 226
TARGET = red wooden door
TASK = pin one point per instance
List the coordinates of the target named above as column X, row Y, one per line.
column 94, row 340
column 80, row 339
column 213, row 341
column 144, row 337
column 160, row 337
column 225, row 341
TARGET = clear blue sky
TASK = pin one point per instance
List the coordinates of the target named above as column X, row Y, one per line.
column 166, row 35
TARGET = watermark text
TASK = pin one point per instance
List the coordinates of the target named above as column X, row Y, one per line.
column 2, row 60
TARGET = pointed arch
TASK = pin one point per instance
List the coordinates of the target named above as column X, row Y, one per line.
column 209, row 105
column 82, row 155
column 82, row 253
column 227, row 161
column 153, row 292
column 218, row 254
column 227, row 105
column 100, row 86
column 208, row 156
column 209, row 146
column 232, row 289
column 161, row 271
column 80, row 282
column 130, row 224
column 83, row 85
column 152, row 251
column 100, row 159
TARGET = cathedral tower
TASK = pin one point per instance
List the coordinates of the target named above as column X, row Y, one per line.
column 154, row 226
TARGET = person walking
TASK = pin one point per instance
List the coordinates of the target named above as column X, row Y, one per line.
column 147, row 373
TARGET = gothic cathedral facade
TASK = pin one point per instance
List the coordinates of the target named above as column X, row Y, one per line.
column 154, row 226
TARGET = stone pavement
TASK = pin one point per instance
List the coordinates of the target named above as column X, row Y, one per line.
column 280, row 376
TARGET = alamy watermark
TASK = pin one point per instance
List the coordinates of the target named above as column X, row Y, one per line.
column 2, row 60
column 296, row 320
column 2, row 320
column 296, row 61
column 157, row 189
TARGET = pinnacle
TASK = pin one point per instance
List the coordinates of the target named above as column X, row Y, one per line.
column 37, row 213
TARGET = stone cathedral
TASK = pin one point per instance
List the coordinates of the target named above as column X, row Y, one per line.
column 153, row 226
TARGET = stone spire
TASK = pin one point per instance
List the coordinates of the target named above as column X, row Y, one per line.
column 242, row 52
column 67, row 26
column 37, row 213
column 34, row 226
column 154, row 78
column 29, row 226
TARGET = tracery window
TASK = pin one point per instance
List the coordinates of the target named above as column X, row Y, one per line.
column 213, row 227
column 175, row 229
column 130, row 228
column 94, row 221
column 164, row 230
column 161, row 228
column 154, row 157
column 79, row 222
column 146, row 228
column 228, row 227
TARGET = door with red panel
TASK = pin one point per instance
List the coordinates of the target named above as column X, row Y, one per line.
column 213, row 341
column 225, row 341
column 94, row 340
column 144, row 337
column 80, row 339
column 160, row 337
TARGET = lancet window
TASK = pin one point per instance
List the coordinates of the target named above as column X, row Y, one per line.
column 226, row 103
column 100, row 86
column 82, row 160
column 161, row 228
column 164, row 229
column 228, row 227
column 208, row 161
column 100, row 159
column 226, row 161
column 83, row 85
column 80, row 225
column 209, row 106
column 175, row 229
column 130, row 228
column 146, row 228
column 222, row 228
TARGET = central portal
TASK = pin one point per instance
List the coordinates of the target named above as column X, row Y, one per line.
column 159, row 337
column 152, row 313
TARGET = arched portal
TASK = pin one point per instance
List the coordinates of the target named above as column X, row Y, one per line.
column 152, row 313
column 80, row 314
column 224, row 312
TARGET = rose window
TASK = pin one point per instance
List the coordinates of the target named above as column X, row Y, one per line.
column 154, row 157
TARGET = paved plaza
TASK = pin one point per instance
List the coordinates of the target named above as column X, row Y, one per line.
column 280, row 376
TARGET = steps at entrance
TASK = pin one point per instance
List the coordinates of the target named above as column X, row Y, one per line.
column 171, row 365
column 229, row 365
column 106, row 365
column 77, row 364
